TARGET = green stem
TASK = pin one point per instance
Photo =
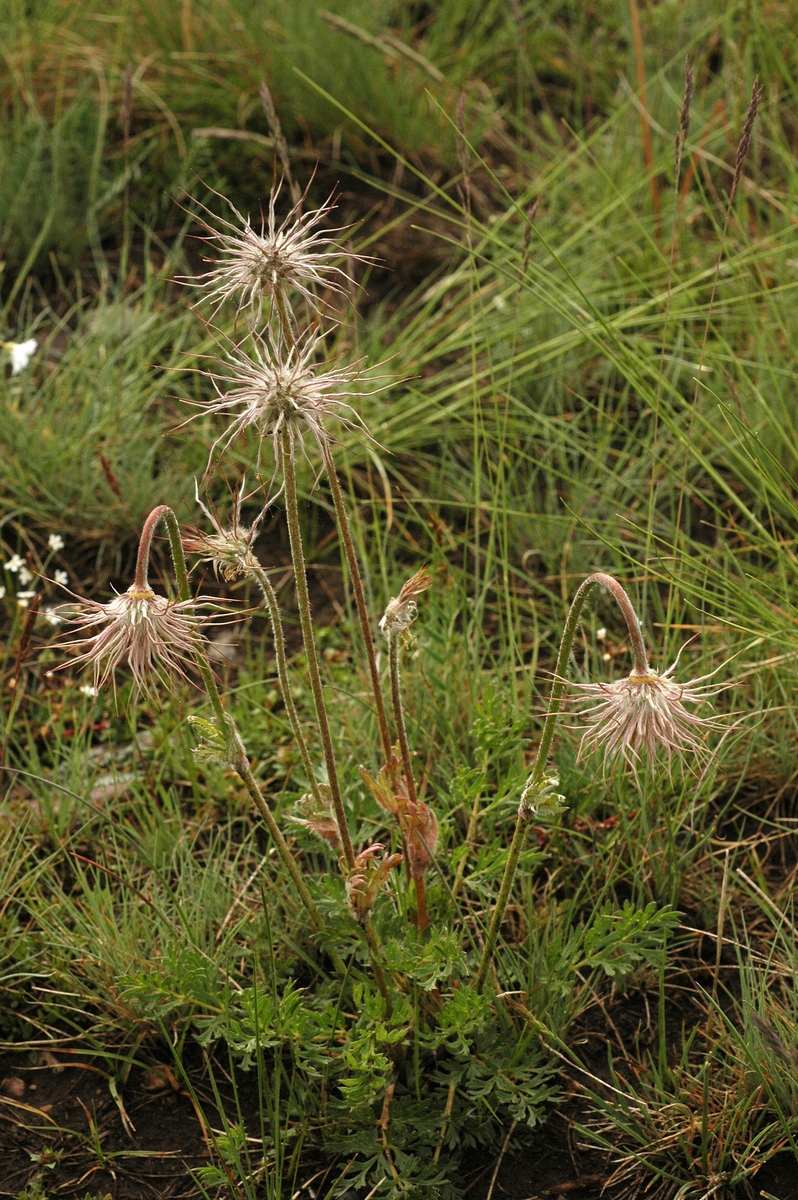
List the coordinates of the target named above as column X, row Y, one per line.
column 260, row 575
column 225, row 722
column 163, row 512
column 376, row 964
column 422, row 920
column 306, row 622
column 549, row 725
column 360, row 599
column 398, row 713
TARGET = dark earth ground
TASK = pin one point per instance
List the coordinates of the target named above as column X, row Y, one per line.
column 61, row 1125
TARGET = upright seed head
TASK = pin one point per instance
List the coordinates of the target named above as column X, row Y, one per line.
column 278, row 388
column 229, row 548
column 290, row 257
column 402, row 609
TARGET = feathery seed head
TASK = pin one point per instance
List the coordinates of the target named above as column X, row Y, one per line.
column 154, row 636
column 646, row 711
column 229, row 547
column 294, row 256
column 279, row 388
column 403, row 609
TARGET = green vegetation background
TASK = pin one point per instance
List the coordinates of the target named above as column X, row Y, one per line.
column 594, row 369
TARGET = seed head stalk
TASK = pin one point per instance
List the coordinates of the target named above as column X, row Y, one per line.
column 308, row 639
column 360, row 599
column 265, row 586
column 345, row 533
column 536, row 782
column 394, row 637
column 239, row 761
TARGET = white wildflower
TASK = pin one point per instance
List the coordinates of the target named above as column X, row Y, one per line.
column 14, row 563
column 55, row 542
column 61, row 578
column 21, row 353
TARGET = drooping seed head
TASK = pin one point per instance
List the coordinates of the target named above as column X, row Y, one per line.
column 647, row 712
column 156, row 637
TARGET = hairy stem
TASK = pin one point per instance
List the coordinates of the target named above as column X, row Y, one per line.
column 407, row 762
column 535, row 779
column 360, row 599
column 282, row 673
column 398, row 713
column 309, row 641
column 225, row 723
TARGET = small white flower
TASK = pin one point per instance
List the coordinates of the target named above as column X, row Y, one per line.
column 601, row 634
column 25, row 576
column 24, row 598
column 55, row 542
column 86, row 689
column 2, row 593
column 14, row 563
column 21, row 354
column 61, row 578
column 51, row 617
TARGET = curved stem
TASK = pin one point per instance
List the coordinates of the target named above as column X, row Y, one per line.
column 306, row 622
column 599, row 578
column 140, row 579
column 345, row 532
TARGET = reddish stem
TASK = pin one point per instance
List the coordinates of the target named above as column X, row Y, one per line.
column 140, row 580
